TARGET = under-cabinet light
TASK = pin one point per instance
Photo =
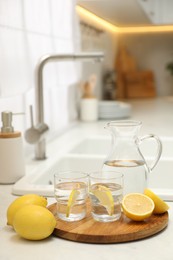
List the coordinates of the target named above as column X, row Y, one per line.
column 118, row 29
column 147, row 29
column 86, row 14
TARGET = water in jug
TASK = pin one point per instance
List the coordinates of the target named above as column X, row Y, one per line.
column 126, row 156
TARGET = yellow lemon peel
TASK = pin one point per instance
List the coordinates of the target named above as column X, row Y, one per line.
column 71, row 201
column 160, row 205
column 34, row 222
column 105, row 197
column 22, row 201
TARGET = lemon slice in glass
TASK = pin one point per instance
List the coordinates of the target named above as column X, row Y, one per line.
column 105, row 197
column 71, row 201
column 160, row 205
column 137, row 206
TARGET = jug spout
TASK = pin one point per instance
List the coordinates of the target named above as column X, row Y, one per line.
column 124, row 127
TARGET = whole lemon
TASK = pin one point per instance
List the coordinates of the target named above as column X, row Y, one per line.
column 22, row 201
column 34, row 222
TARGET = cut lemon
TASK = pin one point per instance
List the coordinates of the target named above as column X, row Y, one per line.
column 160, row 205
column 105, row 197
column 137, row 206
column 71, row 201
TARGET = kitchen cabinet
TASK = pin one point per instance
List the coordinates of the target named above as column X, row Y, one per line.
column 158, row 11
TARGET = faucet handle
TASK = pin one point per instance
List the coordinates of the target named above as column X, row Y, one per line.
column 34, row 134
column 31, row 115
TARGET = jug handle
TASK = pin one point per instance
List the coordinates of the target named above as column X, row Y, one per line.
column 159, row 149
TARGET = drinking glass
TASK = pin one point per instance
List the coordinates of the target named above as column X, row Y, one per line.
column 106, row 192
column 71, row 192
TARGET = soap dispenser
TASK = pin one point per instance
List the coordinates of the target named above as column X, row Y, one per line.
column 12, row 165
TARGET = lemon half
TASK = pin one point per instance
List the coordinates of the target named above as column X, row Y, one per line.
column 137, row 206
column 105, row 197
column 71, row 201
column 160, row 205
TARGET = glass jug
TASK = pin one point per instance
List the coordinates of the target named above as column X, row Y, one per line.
column 126, row 156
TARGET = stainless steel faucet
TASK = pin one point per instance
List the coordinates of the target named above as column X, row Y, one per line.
column 36, row 134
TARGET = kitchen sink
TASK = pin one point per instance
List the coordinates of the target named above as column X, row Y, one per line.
column 101, row 146
column 88, row 155
column 41, row 182
column 93, row 146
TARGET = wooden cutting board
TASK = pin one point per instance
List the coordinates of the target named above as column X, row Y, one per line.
column 90, row 231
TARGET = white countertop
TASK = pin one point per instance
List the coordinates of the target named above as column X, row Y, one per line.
column 157, row 117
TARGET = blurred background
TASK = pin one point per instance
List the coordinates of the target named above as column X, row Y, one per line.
column 136, row 37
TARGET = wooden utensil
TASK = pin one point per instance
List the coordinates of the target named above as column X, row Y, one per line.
column 89, row 86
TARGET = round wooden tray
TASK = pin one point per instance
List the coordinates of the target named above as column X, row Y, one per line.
column 90, row 231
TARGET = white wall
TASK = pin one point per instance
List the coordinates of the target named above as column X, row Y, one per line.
column 153, row 51
column 29, row 29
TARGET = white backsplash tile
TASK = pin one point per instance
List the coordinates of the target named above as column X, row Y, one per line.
column 29, row 100
column 47, row 107
column 59, row 108
column 70, row 68
column 11, row 13
column 67, row 73
column 39, row 45
column 37, row 16
column 28, row 30
column 13, row 63
column 73, row 101
column 63, row 46
column 62, row 16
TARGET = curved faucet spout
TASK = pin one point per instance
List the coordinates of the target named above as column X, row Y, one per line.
column 40, row 149
column 97, row 57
